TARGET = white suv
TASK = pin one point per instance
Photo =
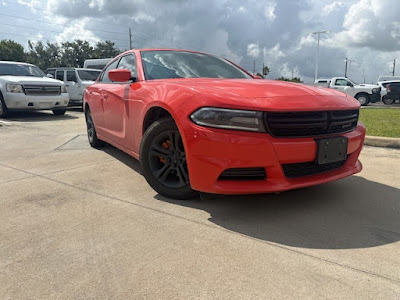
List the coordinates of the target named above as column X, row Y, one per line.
column 76, row 80
column 25, row 87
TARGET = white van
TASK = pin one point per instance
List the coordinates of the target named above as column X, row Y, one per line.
column 99, row 63
column 76, row 80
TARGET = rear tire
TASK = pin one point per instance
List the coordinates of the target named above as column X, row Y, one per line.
column 163, row 161
column 3, row 108
column 59, row 112
column 363, row 99
column 388, row 101
column 91, row 131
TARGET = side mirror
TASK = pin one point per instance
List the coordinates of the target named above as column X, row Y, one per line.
column 257, row 77
column 49, row 76
column 349, row 83
column 120, row 75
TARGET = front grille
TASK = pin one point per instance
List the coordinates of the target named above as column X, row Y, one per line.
column 309, row 168
column 306, row 124
column 243, row 174
column 42, row 90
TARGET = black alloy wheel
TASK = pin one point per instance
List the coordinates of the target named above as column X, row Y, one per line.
column 387, row 101
column 163, row 160
column 91, row 131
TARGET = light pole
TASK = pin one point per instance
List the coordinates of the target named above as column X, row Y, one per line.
column 345, row 68
column 318, row 33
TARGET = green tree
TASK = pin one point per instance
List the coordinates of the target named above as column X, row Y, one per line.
column 75, row 53
column 294, row 79
column 259, row 74
column 265, row 71
column 105, row 49
column 10, row 50
column 44, row 56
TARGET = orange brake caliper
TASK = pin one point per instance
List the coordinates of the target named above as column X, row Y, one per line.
column 166, row 145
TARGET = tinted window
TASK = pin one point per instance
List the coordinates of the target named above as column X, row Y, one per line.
column 89, row 75
column 52, row 72
column 180, row 64
column 60, row 75
column 128, row 62
column 71, row 76
column 113, row 65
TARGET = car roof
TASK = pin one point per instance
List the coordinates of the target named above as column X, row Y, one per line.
column 72, row 68
column 389, row 81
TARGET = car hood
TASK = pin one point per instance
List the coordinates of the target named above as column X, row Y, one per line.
column 30, row 80
column 269, row 94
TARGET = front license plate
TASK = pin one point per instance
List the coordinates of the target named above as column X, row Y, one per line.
column 331, row 150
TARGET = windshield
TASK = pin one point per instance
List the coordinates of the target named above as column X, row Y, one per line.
column 180, row 64
column 20, row 70
column 88, row 75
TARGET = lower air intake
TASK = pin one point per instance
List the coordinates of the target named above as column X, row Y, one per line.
column 243, row 174
column 309, row 168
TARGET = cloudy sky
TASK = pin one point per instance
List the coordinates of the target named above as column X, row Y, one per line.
column 276, row 32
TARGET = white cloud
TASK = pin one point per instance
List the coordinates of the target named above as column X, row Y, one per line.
column 269, row 11
column 253, row 50
column 329, row 8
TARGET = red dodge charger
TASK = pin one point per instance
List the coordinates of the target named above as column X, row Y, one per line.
column 198, row 122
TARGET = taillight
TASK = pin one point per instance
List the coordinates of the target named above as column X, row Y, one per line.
column 388, row 88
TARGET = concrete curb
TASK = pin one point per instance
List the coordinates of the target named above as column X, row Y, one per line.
column 378, row 141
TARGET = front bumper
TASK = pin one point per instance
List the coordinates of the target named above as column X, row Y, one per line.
column 20, row 101
column 212, row 151
column 375, row 97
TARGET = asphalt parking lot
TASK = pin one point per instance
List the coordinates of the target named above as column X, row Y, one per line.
column 80, row 223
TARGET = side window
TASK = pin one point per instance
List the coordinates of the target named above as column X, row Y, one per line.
column 341, row 82
column 60, row 75
column 128, row 62
column 52, row 72
column 71, row 76
column 104, row 77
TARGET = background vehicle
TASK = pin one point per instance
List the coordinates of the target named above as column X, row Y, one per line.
column 388, row 78
column 392, row 92
column 76, row 80
column 25, row 87
column 364, row 93
column 382, row 85
column 98, row 64
column 197, row 122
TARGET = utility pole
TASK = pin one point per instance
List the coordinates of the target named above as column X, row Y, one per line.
column 345, row 68
column 254, row 68
column 130, row 39
column 318, row 33
column 394, row 66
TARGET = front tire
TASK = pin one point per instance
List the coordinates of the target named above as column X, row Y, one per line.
column 91, row 131
column 163, row 160
column 363, row 99
column 3, row 108
column 59, row 112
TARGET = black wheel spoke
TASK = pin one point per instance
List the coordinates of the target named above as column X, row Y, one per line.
column 163, row 173
column 182, row 174
column 172, row 145
column 158, row 151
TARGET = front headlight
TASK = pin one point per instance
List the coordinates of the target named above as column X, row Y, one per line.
column 14, row 88
column 235, row 119
column 63, row 89
column 376, row 90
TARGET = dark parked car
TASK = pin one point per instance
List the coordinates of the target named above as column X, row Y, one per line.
column 392, row 93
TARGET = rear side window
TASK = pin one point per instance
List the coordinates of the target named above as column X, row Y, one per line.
column 60, row 75
column 104, row 77
column 71, row 76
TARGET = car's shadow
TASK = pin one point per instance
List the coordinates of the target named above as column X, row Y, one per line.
column 38, row 116
column 350, row 213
